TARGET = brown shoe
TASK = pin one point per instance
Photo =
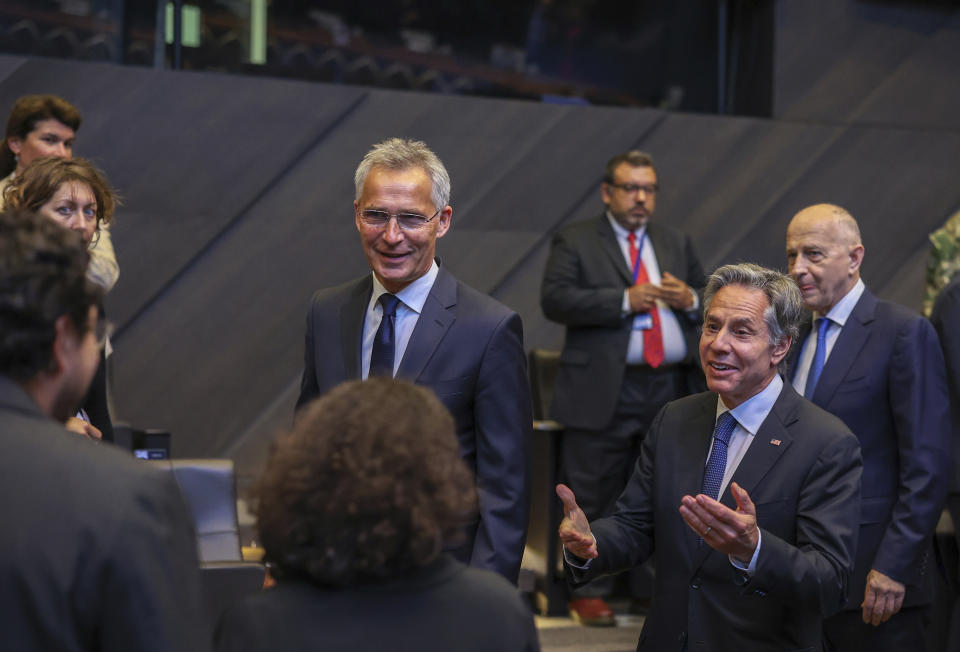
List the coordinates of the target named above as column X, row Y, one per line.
column 592, row 612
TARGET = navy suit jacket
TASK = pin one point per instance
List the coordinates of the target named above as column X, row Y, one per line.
column 885, row 379
column 467, row 348
column 582, row 288
column 802, row 472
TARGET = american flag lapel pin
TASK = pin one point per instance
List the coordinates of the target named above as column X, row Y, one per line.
column 775, row 442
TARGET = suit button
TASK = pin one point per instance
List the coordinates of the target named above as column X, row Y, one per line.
column 695, row 584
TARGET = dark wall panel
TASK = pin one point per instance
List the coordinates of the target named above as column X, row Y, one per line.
column 867, row 62
column 238, row 206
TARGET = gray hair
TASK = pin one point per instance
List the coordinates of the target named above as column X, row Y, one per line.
column 401, row 154
column 786, row 305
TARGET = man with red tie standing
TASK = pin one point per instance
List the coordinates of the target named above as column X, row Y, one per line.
column 626, row 289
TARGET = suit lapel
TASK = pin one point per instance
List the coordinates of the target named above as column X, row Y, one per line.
column 853, row 337
column 439, row 313
column 352, row 314
column 662, row 249
column 771, row 441
column 608, row 242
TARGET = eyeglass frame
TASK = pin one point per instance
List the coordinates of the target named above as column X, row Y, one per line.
column 396, row 216
column 633, row 188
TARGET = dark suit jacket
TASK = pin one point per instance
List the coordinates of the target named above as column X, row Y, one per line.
column 468, row 348
column 802, row 472
column 442, row 607
column 885, row 380
column 97, row 551
column 96, row 404
column 946, row 321
column 582, row 288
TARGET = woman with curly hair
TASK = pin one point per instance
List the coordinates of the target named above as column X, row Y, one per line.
column 75, row 194
column 354, row 509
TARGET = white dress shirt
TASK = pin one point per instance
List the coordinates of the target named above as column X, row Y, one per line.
column 674, row 345
column 749, row 415
column 411, row 303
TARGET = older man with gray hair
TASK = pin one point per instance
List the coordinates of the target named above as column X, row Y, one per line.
column 412, row 319
column 879, row 368
column 754, row 526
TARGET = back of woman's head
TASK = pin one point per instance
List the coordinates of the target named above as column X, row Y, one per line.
column 369, row 484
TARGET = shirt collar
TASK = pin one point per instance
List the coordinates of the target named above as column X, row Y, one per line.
column 622, row 232
column 841, row 312
column 414, row 295
column 751, row 413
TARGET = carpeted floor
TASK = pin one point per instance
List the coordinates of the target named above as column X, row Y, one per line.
column 564, row 635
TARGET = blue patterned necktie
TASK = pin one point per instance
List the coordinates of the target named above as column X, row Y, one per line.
column 381, row 355
column 717, row 464
column 819, row 357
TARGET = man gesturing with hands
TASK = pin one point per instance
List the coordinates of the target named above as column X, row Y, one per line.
column 754, row 525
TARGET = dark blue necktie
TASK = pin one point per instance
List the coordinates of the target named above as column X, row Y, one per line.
column 717, row 464
column 819, row 357
column 381, row 355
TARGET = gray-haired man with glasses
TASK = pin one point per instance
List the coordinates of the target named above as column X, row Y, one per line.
column 412, row 319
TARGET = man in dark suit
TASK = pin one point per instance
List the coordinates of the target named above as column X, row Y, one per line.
column 626, row 289
column 439, row 333
column 754, row 528
column 946, row 320
column 97, row 550
column 878, row 367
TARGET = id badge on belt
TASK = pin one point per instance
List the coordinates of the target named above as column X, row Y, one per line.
column 643, row 321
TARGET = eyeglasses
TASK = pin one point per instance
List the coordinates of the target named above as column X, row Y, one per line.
column 632, row 188
column 406, row 221
column 102, row 331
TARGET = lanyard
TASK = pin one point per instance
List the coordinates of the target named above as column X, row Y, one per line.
column 636, row 264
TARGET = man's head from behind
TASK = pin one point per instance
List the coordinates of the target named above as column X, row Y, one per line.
column 751, row 315
column 629, row 188
column 824, row 254
column 369, row 484
column 48, row 311
column 401, row 208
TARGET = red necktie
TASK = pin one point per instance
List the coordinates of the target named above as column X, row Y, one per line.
column 652, row 337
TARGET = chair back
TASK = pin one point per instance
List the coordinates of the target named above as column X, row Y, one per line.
column 224, row 583
column 543, row 366
column 208, row 488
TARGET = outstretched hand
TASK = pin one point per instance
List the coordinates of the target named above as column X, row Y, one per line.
column 731, row 532
column 84, row 428
column 574, row 528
